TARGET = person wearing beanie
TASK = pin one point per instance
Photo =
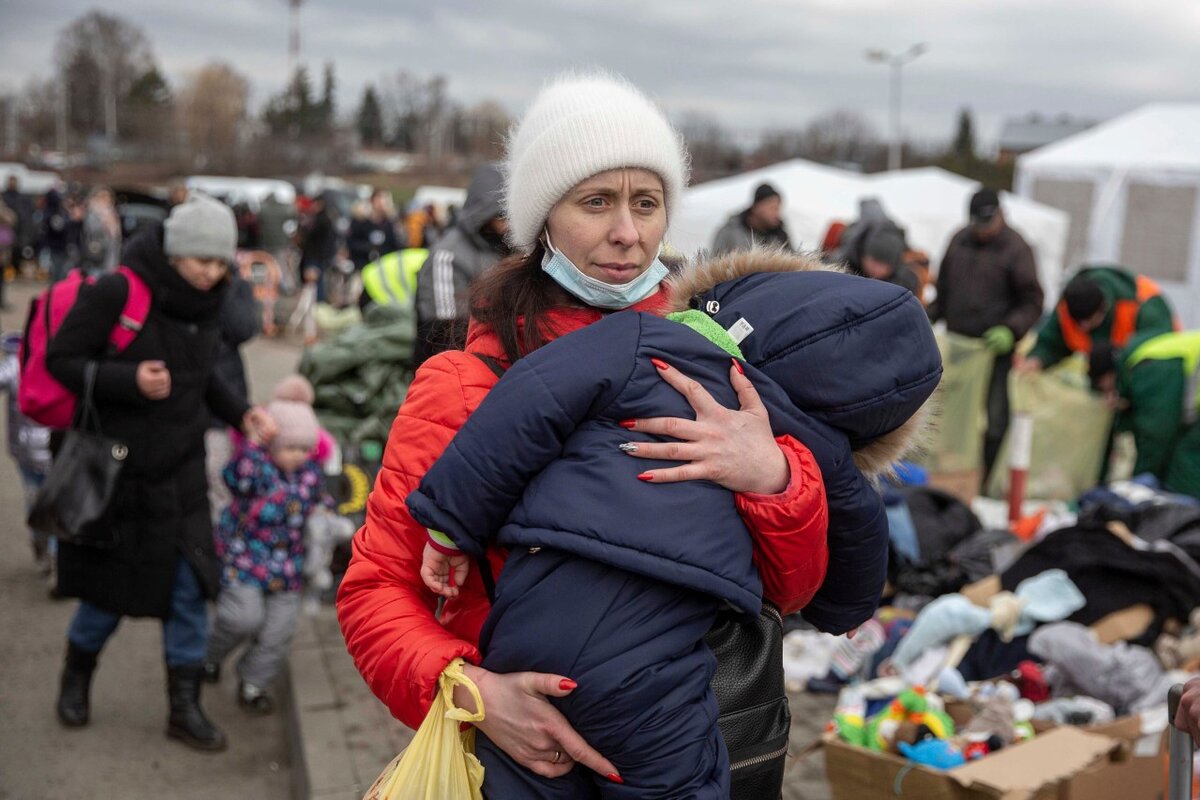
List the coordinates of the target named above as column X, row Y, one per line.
column 988, row 289
column 294, row 388
column 760, row 225
column 883, row 260
column 1100, row 305
column 260, row 542
column 594, row 172
column 154, row 397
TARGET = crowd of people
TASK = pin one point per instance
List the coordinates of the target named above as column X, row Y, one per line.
column 571, row 500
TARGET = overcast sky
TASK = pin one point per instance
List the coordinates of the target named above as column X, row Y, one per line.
column 752, row 64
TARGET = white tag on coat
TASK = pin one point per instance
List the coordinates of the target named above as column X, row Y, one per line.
column 740, row 330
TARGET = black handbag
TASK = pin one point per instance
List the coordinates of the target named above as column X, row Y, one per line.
column 74, row 502
column 755, row 720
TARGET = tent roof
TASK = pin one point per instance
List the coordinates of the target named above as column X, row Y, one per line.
column 1156, row 136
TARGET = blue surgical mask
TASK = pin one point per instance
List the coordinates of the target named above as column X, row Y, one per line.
column 595, row 292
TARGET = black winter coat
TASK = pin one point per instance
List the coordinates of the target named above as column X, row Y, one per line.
column 160, row 510
column 981, row 284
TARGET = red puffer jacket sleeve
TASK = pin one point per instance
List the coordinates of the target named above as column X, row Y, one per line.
column 385, row 611
column 788, row 530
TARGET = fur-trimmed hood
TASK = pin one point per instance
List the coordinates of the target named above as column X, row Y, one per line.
column 856, row 353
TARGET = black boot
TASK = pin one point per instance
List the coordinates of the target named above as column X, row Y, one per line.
column 187, row 722
column 74, row 688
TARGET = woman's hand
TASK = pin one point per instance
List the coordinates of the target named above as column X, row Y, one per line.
column 153, row 380
column 259, row 426
column 521, row 722
column 735, row 449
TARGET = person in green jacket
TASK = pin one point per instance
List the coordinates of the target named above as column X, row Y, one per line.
column 1099, row 304
column 1154, row 382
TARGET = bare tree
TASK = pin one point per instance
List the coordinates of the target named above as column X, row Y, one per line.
column 714, row 151
column 839, row 137
column 100, row 57
column 480, row 131
column 37, row 110
column 419, row 112
column 212, row 112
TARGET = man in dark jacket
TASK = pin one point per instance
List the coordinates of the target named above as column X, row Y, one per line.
column 319, row 245
column 55, row 234
column 988, row 288
column 760, row 225
column 374, row 235
column 475, row 243
column 153, row 397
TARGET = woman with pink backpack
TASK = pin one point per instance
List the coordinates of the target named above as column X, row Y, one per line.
column 151, row 554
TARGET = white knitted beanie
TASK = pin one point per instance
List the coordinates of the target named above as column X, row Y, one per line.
column 577, row 127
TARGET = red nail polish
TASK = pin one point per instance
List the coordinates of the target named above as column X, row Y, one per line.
column 628, row 423
column 615, row 778
column 738, row 366
column 567, row 685
column 645, row 476
column 660, row 364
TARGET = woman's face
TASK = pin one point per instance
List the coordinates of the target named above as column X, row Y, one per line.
column 201, row 273
column 611, row 225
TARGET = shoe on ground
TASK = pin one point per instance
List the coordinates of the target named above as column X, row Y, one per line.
column 254, row 700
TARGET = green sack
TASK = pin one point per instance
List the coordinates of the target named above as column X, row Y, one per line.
column 956, row 442
column 1071, row 425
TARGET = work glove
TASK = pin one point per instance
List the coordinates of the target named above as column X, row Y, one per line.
column 999, row 339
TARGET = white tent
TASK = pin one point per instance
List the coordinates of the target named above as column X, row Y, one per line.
column 1130, row 186
column 929, row 203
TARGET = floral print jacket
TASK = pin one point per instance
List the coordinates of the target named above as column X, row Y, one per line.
column 260, row 537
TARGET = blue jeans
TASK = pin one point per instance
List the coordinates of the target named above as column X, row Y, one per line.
column 185, row 631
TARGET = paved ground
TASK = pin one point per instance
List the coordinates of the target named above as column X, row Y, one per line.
column 123, row 754
column 340, row 736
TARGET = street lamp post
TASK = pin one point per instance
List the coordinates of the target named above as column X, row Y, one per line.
column 896, row 62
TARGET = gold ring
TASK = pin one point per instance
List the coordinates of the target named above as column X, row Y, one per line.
column 557, row 757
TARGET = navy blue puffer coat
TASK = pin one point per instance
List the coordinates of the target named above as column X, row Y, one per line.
column 841, row 363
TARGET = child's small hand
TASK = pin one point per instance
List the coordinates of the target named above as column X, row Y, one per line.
column 443, row 574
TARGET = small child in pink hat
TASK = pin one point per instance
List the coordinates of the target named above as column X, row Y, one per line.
column 260, row 541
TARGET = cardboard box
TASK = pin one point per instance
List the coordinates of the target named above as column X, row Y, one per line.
column 1066, row 763
column 963, row 484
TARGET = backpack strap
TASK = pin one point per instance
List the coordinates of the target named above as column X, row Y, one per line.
column 133, row 315
column 492, row 363
column 485, row 566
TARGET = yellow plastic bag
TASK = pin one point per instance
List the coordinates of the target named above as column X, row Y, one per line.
column 1070, row 433
column 956, row 442
column 440, row 762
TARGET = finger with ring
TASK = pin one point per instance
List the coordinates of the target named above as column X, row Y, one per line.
column 557, row 757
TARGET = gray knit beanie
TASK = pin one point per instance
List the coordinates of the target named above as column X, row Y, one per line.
column 202, row 227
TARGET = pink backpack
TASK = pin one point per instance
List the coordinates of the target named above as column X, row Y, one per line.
column 42, row 398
